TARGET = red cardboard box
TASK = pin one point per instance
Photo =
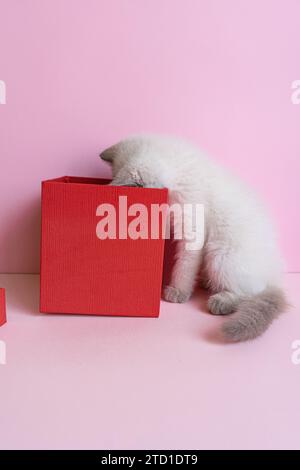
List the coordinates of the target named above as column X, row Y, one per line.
column 2, row 307
column 84, row 274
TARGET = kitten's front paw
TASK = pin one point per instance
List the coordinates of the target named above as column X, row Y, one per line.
column 172, row 294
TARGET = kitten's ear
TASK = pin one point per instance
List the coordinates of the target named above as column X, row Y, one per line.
column 108, row 154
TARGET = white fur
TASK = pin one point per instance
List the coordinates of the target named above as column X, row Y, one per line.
column 240, row 253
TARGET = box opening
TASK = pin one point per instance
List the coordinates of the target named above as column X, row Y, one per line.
column 81, row 180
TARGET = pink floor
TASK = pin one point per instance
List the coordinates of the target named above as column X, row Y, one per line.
column 123, row 383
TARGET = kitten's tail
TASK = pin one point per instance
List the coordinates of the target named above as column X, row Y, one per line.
column 254, row 315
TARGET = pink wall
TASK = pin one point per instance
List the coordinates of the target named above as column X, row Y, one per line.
column 82, row 73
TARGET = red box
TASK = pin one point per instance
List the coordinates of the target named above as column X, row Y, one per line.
column 82, row 274
column 2, row 307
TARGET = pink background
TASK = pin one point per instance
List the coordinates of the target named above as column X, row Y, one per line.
column 81, row 74
column 89, row 382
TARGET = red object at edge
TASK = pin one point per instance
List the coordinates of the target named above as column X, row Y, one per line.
column 2, row 307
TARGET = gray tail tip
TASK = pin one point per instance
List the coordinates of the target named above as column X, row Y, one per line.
column 254, row 315
column 234, row 332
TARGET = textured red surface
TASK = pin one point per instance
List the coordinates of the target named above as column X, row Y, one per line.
column 81, row 274
column 2, row 307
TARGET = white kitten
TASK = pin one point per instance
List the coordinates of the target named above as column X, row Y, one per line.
column 239, row 261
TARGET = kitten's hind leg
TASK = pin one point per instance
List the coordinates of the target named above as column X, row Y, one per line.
column 223, row 303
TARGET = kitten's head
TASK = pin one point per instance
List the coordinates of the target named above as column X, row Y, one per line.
column 135, row 162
